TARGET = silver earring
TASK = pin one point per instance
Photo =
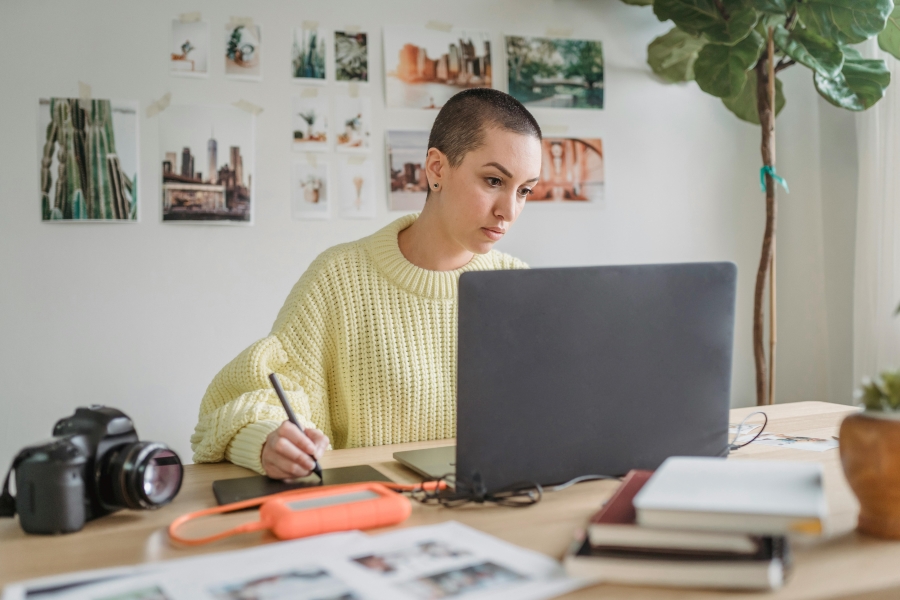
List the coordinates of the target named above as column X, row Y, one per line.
column 435, row 186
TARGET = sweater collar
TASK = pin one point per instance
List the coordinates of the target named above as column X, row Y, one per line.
column 384, row 248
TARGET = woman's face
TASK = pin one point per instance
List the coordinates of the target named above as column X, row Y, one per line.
column 480, row 199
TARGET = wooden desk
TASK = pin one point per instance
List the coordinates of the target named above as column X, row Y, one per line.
column 849, row 565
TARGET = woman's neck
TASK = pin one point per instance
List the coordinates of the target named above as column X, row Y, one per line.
column 428, row 245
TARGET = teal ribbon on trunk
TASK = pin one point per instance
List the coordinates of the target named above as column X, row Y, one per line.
column 778, row 179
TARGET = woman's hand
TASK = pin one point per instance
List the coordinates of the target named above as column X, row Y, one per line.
column 288, row 451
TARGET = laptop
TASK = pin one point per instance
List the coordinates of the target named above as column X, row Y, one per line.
column 566, row 372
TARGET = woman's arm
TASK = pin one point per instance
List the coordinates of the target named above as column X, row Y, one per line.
column 240, row 410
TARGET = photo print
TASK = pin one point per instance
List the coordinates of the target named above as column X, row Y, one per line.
column 406, row 152
column 308, row 55
column 207, row 163
column 555, row 73
column 88, row 159
column 356, row 187
column 153, row 592
column 309, row 123
column 571, row 171
column 309, row 190
column 243, row 52
column 351, row 56
column 465, row 580
column 353, row 117
column 425, row 67
column 296, row 584
column 423, row 556
column 189, row 56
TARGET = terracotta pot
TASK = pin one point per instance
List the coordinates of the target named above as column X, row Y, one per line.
column 870, row 455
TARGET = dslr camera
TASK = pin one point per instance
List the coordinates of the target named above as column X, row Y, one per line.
column 93, row 466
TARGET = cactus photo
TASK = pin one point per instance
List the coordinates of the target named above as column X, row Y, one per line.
column 88, row 159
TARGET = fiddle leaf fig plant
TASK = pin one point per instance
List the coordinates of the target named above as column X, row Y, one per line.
column 734, row 50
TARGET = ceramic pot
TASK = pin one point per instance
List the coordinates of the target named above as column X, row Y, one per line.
column 870, row 455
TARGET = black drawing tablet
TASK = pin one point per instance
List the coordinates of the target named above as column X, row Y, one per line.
column 228, row 491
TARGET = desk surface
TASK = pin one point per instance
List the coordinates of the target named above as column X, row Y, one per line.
column 849, row 565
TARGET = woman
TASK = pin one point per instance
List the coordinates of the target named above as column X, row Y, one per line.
column 365, row 345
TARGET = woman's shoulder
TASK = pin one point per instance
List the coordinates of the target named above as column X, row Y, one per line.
column 503, row 261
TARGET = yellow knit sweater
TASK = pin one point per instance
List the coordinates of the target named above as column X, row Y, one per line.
column 365, row 347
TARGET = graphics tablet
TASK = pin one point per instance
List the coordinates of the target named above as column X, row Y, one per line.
column 228, row 491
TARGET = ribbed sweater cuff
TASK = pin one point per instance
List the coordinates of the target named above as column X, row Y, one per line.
column 246, row 446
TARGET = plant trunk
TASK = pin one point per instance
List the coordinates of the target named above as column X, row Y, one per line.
column 765, row 104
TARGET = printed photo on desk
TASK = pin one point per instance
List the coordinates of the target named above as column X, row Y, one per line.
column 351, row 56
column 308, row 55
column 406, row 152
column 571, row 171
column 309, row 122
column 189, row 56
column 207, row 158
column 354, row 120
column 309, row 190
column 88, row 159
column 243, row 51
column 425, row 67
column 555, row 73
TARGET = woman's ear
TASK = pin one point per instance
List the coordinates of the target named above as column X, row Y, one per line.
column 435, row 169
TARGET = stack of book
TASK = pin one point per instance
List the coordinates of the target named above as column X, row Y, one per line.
column 702, row 522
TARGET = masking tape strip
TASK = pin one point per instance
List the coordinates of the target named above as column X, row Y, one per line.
column 352, row 29
column 356, row 160
column 353, row 89
column 311, row 159
column 309, row 92
column 560, row 32
column 249, row 107
column 191, row 17
column 310, row 25
column 439, row 25
column 551, row 129
column 160, row 105
column 84, row 91
column 238, row 21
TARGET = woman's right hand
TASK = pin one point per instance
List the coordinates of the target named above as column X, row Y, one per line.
column 288, row 452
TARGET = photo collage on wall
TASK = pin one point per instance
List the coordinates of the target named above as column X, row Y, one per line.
column 207, row 151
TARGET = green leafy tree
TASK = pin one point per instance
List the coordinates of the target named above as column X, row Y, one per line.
column 734, row 50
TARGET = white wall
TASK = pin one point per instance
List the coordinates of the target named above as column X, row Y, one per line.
column 141, row 316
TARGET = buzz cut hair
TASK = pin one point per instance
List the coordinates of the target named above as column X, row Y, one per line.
column 461, row 124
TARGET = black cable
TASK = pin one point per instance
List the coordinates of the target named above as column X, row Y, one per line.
column 732, row 446
column 517, row 495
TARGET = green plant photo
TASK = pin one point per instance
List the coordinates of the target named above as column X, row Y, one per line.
column 734, row 50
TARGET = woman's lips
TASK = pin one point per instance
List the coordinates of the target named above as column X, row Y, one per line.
column 494, row 234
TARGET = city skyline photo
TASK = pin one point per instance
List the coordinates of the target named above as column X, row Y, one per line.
column 206, row 155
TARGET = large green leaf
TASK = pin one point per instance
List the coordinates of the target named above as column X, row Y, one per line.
column 859, row 85
column 672, row 56
column 821, row 55
column 889, row 39
column 845, row 21
column 721, row 70
column 744, row 104
column 638, row 2
column 702, row 17
column 773, row 6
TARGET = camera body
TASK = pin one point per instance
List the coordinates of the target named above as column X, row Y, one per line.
column 94, row 465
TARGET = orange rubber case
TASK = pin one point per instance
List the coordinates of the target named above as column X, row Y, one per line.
column 275, row 513
column 389, row 508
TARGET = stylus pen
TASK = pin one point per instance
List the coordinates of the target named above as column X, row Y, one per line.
column 291, row 416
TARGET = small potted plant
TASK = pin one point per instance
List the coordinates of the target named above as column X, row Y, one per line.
column 870, row 455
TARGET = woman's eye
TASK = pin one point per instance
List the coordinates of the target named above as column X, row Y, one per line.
column 494, row 181
column 524, row 191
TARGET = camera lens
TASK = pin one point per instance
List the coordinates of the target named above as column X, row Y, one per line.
column 142, row 475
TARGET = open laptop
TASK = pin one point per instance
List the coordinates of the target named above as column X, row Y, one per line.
column 588, row 371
